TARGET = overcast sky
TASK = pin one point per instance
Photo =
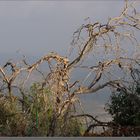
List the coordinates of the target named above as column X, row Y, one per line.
column 38, row 27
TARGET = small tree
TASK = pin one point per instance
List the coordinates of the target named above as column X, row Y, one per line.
column 125, row 108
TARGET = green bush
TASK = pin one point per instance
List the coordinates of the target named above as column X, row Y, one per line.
column 125, row 107
column 36, row 116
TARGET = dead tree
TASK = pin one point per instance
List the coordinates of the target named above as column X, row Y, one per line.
column 108, row 40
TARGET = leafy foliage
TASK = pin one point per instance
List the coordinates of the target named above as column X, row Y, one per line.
column 37, row 118
column 125, row 107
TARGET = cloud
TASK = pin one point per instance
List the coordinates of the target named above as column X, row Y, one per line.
column 23, row 9
column 41, row 26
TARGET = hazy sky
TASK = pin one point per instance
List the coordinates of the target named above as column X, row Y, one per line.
column 38, row 27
